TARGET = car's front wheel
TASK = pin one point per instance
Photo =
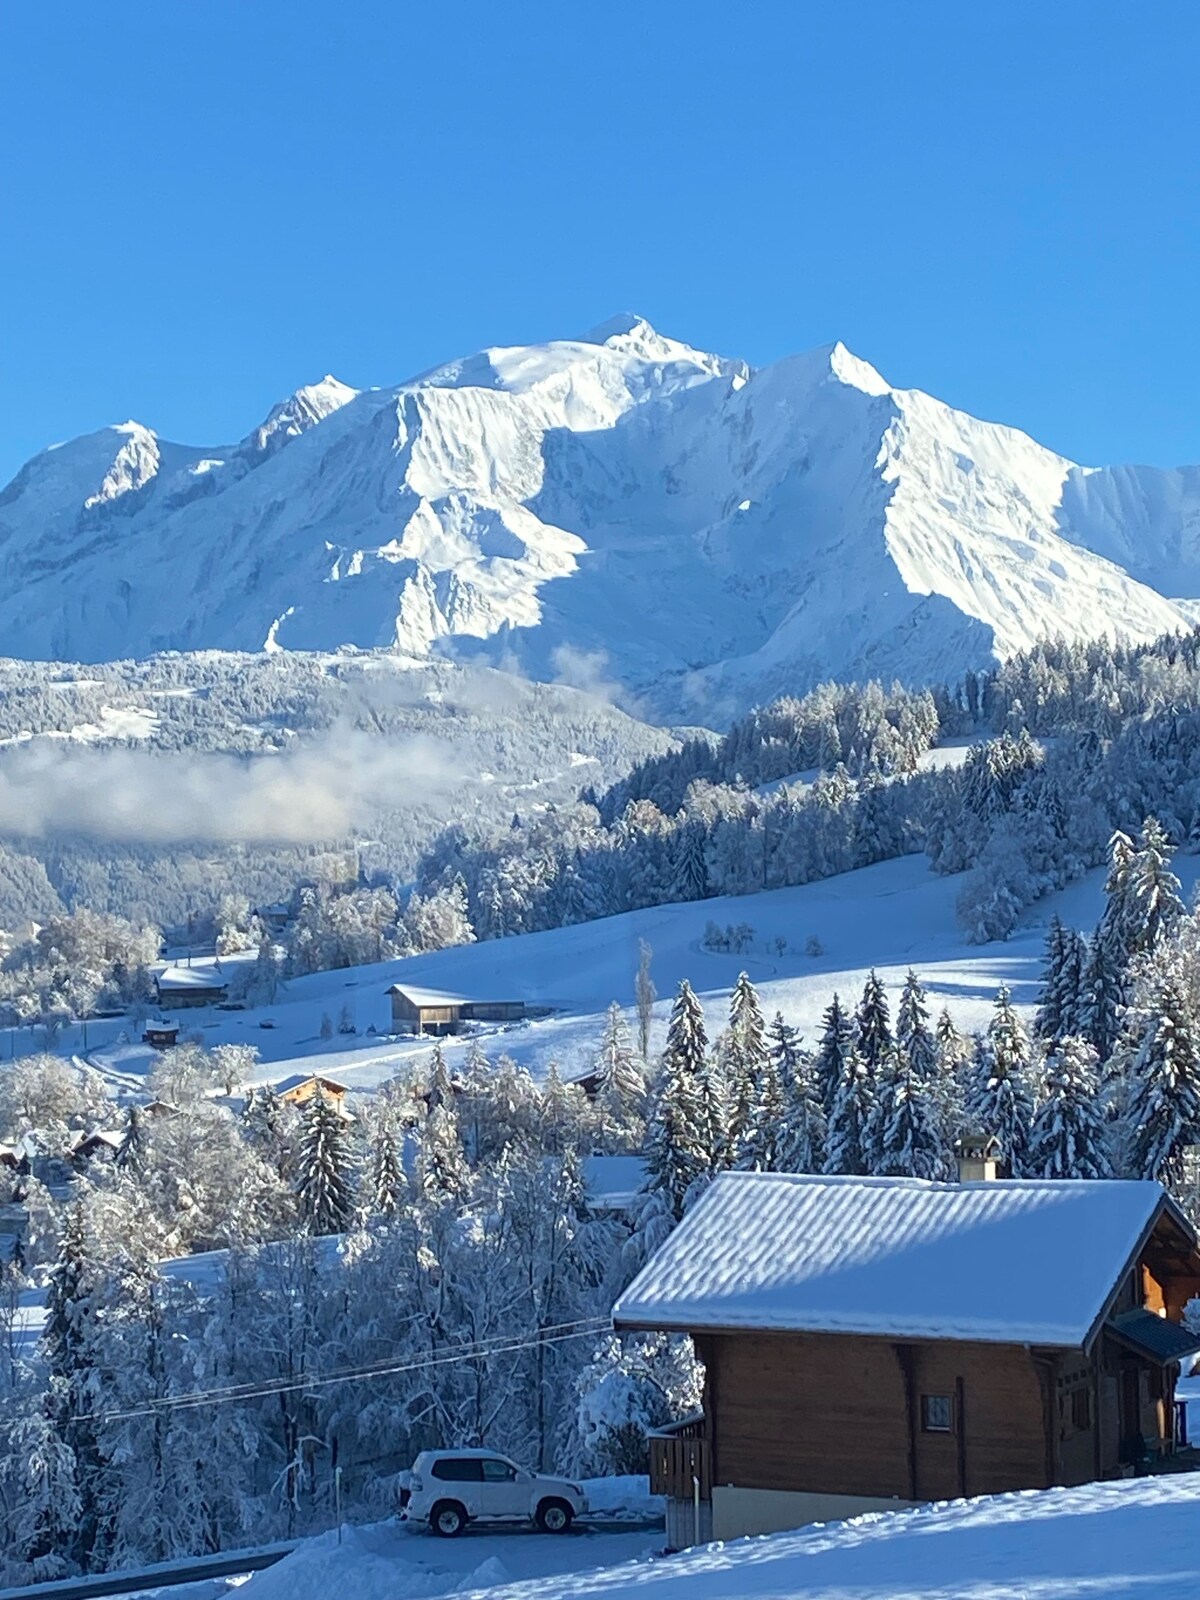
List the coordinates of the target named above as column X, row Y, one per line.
column 448, row 1518
column 554, row 1516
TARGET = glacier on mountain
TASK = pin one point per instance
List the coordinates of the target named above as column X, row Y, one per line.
column 702, row 534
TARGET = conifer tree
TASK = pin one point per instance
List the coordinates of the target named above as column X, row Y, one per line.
column 690, row 878
column 680, row 1146
column 914, row 1040
column 1101, row 993
column 951, row 1075
column 953, row 1051
column 848, row 1135
column 783, row 1042
column 837, row 1043
column 131, row 1152
column 1163, row 1093
column 1153, row 890
column 676, row 1148
column 999, row 1100
column 1115, row 932
column 1068, row 1137
column 387, row 1170
column 906, row 1132
column 875, row 1040
column 620, row 1084
column 441, row 1086
column 68, row 1343
column 1056, row 997
column 800, row 1143
column 715, row 1113
column 442, row 1172
column 744, row 1057
column 324, row 1182
column 687, row 1038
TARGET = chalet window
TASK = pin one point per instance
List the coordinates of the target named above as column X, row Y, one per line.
column 937, row 1413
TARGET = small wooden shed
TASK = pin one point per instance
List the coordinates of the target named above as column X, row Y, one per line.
column 871, row 1343
column 161, row 1034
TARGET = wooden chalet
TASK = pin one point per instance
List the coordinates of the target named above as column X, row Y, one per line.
column 299, row 1090
column 161, row 1034
column 872, row 1343
column 435, row 1011
column 103, row 1143
column 190, row 986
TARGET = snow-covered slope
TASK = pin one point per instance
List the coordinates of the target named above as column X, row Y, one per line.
column 1105, row 1541
column 618, row 509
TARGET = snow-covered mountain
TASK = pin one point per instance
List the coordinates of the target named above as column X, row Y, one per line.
column 618, row 509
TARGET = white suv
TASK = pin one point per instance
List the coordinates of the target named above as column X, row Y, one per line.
column 449, row 1488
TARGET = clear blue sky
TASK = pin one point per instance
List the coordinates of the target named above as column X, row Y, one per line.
column 206, row 204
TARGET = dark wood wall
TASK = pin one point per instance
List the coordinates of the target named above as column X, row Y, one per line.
column 837, row 1414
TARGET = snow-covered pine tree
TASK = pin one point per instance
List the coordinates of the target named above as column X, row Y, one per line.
column 745, row 1054
column 799, row 1145
column 874, row 1024
column 441, row 1086
column 1069, row 1137
column 387, row 1170
column 953, row 1050
column 131, row 1152
column 848, row 1133
column 759, row 1147
column 837, row 1042
column 999, row 1099
column 679, row 1148
column 621, row 1083
column 906, row 1134
column 1154, row 890
column 324, row 1180
column 1162, row 1097
column 442, row 1172
column 68, row 1347
column 1116, row 929
column 44, row 1510
column 914, row 1040
column 1101, row 995
column 1054, row 997
column 783, row 1042
column 715, row 1112
column 689, row 880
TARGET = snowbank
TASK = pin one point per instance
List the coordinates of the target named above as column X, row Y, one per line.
column 1112, row 1541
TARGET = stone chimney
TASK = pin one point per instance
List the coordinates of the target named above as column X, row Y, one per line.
column 978, row 1155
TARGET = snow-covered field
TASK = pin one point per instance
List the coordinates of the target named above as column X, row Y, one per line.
column 891, row 916
column 1112, row 1541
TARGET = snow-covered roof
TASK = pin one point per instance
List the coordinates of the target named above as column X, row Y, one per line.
column 443, row 997
column 190, row 978
column 1016, row 1262
column 428, row 997
column 297, row 1079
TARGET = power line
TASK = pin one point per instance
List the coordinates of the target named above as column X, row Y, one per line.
column 499, row 1345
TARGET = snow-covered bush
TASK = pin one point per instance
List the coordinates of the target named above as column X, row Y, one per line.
column 633, row 1385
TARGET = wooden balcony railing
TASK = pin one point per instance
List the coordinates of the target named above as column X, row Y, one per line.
column 675, row 1462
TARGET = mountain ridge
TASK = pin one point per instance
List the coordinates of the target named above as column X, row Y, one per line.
column 619, row 511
